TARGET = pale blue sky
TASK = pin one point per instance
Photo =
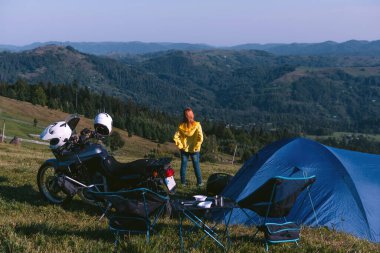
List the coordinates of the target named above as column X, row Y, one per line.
column 214, row 22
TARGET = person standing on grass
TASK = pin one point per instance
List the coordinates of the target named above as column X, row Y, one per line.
column 188, row 139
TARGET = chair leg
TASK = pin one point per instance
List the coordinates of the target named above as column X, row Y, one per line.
column 227, row 232
column 266, row 246
column 181, row 232
column 116, row 243
column 148, row 235
column 255, row 234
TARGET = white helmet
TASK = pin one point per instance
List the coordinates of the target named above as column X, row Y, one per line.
column 103, row 123
column 58, row 134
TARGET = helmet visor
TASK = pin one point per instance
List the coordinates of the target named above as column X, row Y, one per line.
column 54, row 141
column 102, row 129
column 72, row 120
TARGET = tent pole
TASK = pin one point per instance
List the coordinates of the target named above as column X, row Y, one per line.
column 3, row 137
column 233, row 158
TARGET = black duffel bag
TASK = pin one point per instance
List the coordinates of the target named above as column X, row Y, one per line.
column 217, row 182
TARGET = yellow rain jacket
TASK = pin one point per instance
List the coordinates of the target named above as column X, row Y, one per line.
column 189, row 139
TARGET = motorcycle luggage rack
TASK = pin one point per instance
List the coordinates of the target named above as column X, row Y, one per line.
column 161, row 161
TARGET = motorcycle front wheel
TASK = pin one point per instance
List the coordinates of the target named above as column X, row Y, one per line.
column 47, row 181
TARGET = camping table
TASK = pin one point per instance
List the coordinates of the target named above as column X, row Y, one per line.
column 198, row 216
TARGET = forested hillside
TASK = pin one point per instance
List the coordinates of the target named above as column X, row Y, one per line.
column 310, row 94
column 139, row 120
column 160, row 127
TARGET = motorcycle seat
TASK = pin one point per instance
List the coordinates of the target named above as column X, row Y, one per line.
column 118, row 169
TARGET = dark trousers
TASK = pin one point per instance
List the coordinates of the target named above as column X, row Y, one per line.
column 197, row 169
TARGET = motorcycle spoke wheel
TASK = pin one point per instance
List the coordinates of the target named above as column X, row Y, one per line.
column 48, row 185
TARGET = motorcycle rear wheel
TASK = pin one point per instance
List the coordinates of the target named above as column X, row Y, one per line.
column 48, row 186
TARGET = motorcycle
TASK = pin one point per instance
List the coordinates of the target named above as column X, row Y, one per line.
column 83, row 163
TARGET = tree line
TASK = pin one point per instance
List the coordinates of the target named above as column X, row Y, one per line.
column 156, row 125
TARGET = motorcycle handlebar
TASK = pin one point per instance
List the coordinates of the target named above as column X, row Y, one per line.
column 76, row 141
column 85, row 135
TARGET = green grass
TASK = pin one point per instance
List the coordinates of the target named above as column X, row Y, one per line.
column 29, row 224
column 19, row 118
column 16, row 127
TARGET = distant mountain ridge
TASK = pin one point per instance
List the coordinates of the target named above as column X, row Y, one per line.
column 351, row 47
column 107, row 48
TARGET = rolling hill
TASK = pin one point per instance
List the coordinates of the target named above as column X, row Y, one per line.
column 19, row 118
column 351, row 47
column 247, row 87
column 65, row 65
column 109, row 48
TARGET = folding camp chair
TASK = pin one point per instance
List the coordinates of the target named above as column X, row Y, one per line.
column 275, row 199
column 133, row 211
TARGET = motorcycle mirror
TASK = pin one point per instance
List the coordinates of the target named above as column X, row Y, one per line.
column 72, row 121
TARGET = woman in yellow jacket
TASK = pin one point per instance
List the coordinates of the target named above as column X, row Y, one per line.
column 188, row 139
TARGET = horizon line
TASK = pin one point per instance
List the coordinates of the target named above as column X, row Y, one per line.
column 191, row 43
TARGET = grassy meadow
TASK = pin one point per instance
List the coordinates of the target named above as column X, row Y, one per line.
column 30, row 224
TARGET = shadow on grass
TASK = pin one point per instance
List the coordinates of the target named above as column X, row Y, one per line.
column 80, row 206
column 23, row 194
column 27, row 194
column 3, row 179
column 52, row 231
column 103, row 235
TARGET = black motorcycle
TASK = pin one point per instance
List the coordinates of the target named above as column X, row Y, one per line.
column 83, row 164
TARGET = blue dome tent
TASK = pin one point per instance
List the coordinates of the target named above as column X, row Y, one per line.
column 345, row 196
